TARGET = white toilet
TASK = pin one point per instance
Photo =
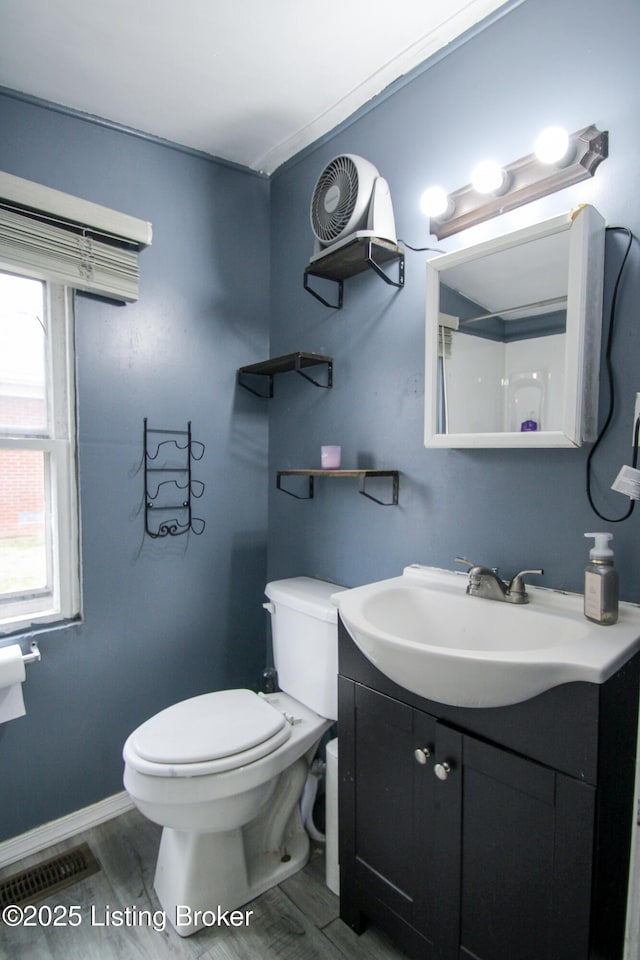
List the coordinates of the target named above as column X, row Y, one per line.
column 223, row 772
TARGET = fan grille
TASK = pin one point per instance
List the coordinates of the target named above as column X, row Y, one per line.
column 334, row 199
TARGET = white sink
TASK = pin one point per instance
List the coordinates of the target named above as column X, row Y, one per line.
column 424, row 632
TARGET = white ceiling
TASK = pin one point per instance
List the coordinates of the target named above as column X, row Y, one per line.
column 250, row 81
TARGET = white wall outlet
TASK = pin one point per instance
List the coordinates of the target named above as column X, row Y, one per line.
column 636, row 414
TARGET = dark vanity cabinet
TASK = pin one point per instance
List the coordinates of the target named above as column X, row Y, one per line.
column 489, row 834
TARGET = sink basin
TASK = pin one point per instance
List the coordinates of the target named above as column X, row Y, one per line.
column 424, row 632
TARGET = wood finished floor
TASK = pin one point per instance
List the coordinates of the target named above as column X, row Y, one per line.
column 297, row 920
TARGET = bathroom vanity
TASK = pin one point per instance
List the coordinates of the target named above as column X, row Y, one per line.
column 490, row 833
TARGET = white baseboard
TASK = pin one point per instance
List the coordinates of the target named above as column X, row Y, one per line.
column 49, row 833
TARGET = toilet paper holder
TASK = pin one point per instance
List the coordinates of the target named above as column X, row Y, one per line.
column 34, row 653
column 12, row 676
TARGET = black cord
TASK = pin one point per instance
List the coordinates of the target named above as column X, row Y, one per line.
column 420, row 249
column 612, row 394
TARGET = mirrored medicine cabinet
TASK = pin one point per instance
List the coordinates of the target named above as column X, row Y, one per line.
column 513, row 337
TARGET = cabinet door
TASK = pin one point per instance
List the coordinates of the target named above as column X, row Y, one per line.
column 525, row 859
column 386, row 816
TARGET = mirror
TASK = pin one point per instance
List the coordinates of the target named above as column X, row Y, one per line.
column 513, row 337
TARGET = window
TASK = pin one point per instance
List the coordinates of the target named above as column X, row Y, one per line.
column 39, row 553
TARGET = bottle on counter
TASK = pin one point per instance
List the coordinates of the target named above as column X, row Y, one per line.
column 601, row 582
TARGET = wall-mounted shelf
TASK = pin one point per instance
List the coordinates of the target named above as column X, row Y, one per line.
column 363, row 253
column 291, row 361
column 362, row 476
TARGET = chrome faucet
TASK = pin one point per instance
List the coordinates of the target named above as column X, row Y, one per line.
column 486, row 583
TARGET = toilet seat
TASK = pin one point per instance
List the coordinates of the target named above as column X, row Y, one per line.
column 211, row 733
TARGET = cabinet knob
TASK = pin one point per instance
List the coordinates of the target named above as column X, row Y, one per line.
column 442, row 770
column 422, row 754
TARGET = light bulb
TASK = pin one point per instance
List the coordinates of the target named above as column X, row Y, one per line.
column 553, row 146
column 434, row 202
column 488, row 177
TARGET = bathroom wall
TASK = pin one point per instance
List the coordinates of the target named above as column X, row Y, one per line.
column 572, row 62
column 163, row 619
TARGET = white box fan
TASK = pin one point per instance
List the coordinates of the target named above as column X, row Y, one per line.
column 350, row 200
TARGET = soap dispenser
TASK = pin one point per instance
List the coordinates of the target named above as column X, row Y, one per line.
column 601, row 582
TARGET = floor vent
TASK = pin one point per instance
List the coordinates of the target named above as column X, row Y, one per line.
column 45, row 878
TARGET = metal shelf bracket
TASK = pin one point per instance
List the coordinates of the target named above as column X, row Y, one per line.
column 394, row 490
column 318, row 296
column 310, row 489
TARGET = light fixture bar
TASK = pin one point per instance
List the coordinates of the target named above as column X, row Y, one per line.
column 529, row 180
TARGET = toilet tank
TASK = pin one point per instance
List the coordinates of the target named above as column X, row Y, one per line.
column 304, row 629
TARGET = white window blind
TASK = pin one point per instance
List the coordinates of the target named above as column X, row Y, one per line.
column 64, row 239
column 447, row 324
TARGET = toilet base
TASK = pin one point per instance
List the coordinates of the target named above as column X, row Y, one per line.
column 202, row 879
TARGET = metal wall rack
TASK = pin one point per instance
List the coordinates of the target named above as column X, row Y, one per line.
column 363, row 253
column 299, row 362
column 362, row 475
column 172, row 456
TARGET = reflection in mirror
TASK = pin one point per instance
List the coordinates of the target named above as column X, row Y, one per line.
column 506, row 320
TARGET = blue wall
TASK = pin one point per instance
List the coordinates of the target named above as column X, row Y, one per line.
column 163, row 619
column 548, row 61
column 222, row 286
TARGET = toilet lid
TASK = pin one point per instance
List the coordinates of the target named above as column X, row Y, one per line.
column 208, row 727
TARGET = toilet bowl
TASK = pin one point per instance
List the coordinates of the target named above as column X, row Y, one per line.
column 222, row 773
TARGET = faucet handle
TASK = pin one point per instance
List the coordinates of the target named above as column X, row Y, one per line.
column 476, row 568
column 517, row 585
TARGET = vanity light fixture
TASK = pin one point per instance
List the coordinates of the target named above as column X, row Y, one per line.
column 560, row 161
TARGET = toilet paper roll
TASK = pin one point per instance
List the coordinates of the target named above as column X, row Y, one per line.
column 12, row 674
column 12, row 669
